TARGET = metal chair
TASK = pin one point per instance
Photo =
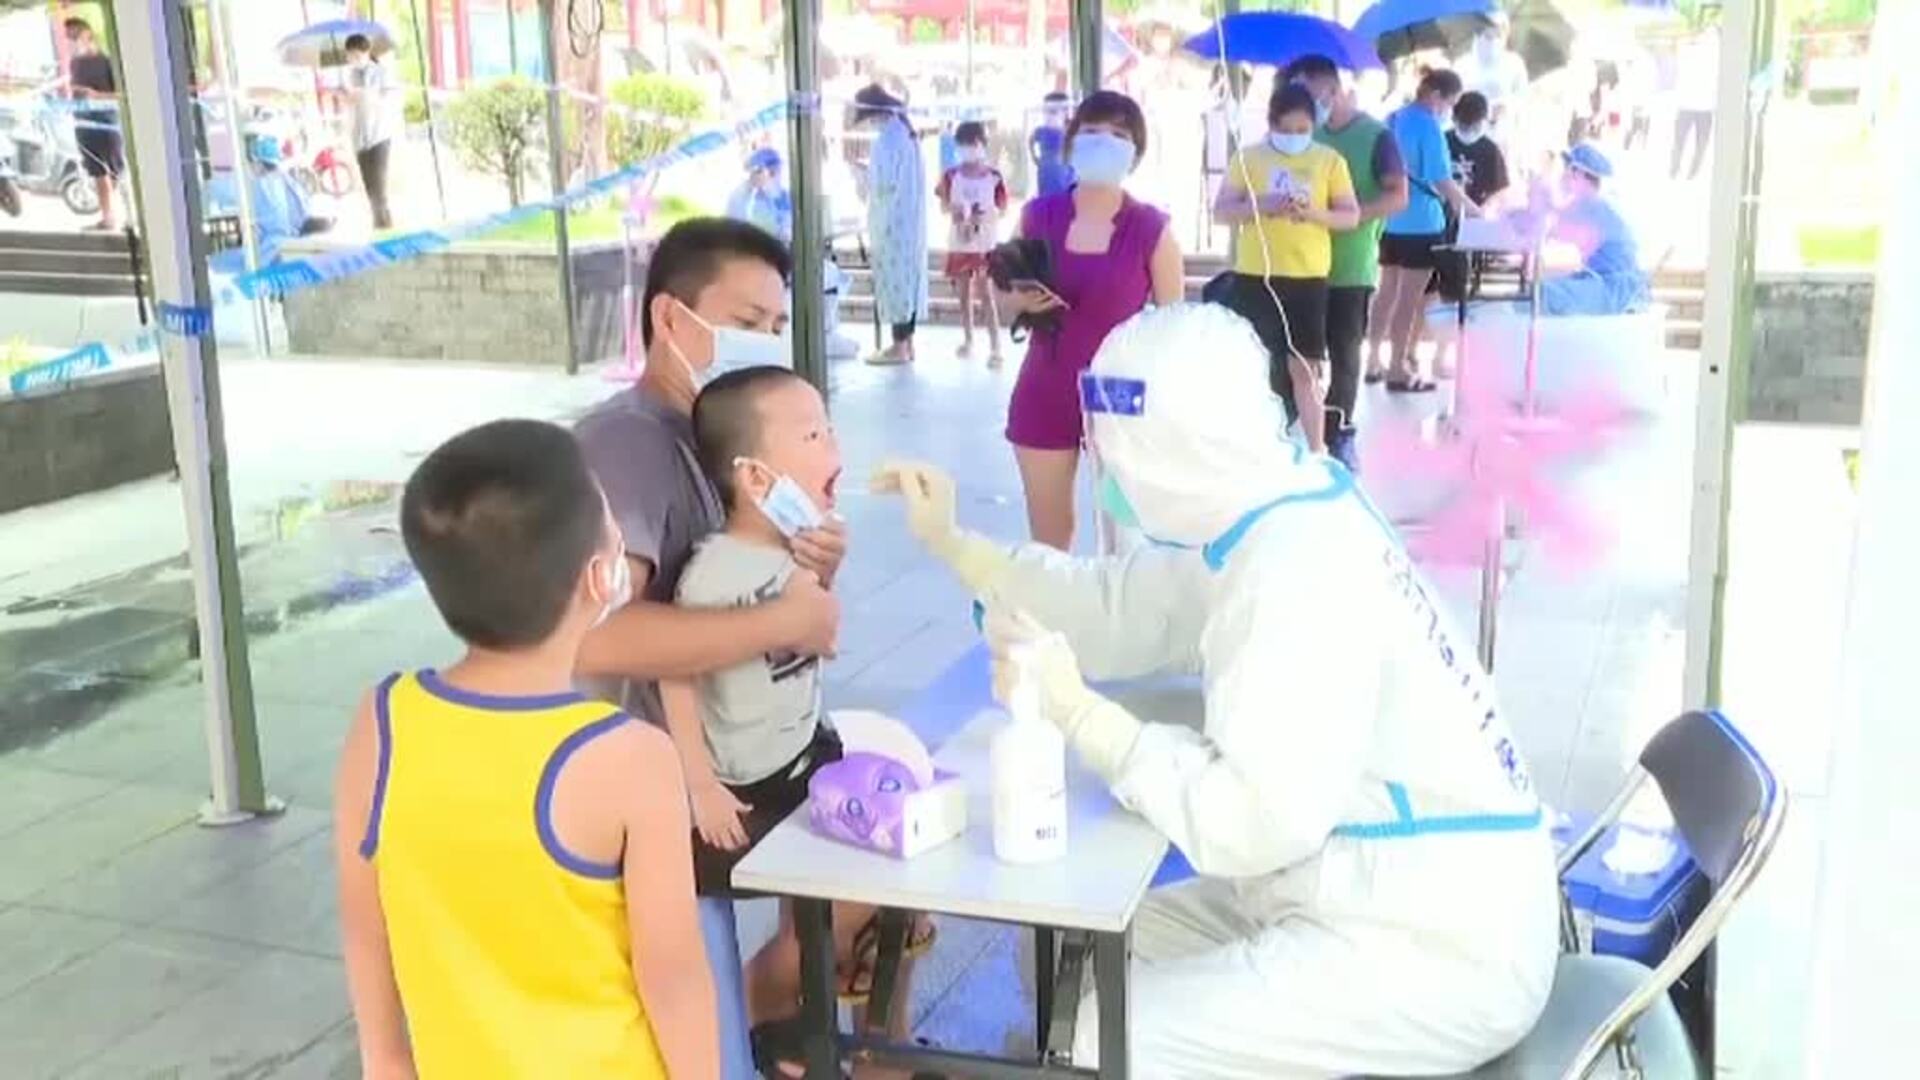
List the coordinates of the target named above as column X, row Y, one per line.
column 1730, row 809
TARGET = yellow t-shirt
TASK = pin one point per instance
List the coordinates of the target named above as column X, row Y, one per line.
column 1297, row 248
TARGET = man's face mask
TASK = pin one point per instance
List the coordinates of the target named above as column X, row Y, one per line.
column 733, row 349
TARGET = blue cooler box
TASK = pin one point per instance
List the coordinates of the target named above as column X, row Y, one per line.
column 1638, row 916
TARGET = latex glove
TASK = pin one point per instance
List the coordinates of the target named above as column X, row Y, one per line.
column 978, row 562
column 1100, row 731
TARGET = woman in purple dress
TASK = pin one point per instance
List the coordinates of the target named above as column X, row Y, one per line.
column 1111, row 256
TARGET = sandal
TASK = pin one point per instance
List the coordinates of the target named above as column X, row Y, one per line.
column 856, row 987
column 780, row 1050
column 1415, row 385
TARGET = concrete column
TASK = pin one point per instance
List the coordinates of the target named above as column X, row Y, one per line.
column 1867, row 939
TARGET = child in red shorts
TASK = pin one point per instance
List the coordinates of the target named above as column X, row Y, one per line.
column 974, row 195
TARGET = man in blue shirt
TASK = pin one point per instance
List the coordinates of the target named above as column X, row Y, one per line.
column 1609, row 280
column 1407, row 247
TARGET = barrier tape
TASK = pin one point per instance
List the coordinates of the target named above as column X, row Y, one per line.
column 185, row 321
column 292, row 275
column 72, row 366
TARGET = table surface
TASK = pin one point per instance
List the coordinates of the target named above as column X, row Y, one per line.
column 1112, row 854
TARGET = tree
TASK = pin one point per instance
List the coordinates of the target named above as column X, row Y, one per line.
column 651, row 113
column 495, row 127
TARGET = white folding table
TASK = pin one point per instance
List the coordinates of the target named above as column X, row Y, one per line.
column 1111, row 858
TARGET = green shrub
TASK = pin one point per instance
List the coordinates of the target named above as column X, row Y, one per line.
column 496, row 126
column 651, row 113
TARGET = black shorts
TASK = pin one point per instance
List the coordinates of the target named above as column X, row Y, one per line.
column 1410, row 251
column 770, row 801
column 1302, row 300
column 100, row 152
column 1451, row 272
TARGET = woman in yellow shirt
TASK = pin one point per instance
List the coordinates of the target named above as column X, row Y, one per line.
column 1285, row 198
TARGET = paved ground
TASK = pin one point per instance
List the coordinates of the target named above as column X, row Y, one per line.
column 134, row 943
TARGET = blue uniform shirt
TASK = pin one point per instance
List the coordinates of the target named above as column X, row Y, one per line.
column 1423, row 145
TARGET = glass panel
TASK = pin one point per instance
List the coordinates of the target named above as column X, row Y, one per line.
column 97, row 628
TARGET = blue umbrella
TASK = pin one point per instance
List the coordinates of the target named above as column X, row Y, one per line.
column 1393, row 16
column 1280, row 37
column 324, row 44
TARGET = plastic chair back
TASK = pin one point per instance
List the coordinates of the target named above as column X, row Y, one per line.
column 1717, row 787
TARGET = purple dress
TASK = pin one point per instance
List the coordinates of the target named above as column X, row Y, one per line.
column 1102, row 291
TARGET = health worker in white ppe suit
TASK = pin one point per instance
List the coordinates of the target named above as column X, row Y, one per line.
column 1375, row 890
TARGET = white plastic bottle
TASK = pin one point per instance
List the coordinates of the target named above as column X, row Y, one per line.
column 1029, row 763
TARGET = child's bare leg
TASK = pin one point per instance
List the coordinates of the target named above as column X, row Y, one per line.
column 993, row 318
column 963, row 285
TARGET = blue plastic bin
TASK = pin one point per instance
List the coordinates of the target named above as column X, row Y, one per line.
column 1638, row 916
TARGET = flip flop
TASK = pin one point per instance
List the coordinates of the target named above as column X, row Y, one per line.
column 1415, row 385
column 856, row 987
column 780, row 1050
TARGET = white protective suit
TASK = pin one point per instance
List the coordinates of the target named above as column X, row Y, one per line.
column 1376, row 891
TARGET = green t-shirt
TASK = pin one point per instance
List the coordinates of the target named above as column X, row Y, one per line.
column 1372, row 156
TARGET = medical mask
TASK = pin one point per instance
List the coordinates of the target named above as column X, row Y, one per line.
column 619, row 585
column 790, row 509
column 1101, row 159
column 973, row 155
column 733, row 349
column 1470, row 135
column 1290, row 143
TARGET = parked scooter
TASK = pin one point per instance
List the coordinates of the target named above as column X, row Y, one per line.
column 38, row 138
column 9, row 191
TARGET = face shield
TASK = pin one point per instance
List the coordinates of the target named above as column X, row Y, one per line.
column 1183, row 427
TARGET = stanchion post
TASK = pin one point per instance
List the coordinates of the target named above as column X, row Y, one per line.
column 557, row 162
column 1086, row 32
column 809, row 326
column 154, row 55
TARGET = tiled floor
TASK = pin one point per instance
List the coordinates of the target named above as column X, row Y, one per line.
column 134, row 943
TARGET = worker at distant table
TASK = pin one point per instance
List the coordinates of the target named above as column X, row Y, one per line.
column 1608, row 279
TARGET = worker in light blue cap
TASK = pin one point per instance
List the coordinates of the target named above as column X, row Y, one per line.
column 762, row 198
column 1609, row 280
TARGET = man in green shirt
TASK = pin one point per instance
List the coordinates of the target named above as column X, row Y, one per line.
column 1380, row 185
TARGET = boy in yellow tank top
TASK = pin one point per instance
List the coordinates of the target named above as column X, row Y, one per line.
column 516, row 883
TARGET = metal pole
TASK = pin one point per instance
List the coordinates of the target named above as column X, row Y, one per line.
column 557, row 160
column 242, row 166
column 809, row 232
column 513, row 43
column 970, row 32
column 155, row 55
column 1085, row 34
column 426, row 96
column 1746, row 47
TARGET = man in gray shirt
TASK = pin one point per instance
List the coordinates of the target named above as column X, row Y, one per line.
column 715, row 298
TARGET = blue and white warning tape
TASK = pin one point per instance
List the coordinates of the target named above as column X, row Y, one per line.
column 294, row 274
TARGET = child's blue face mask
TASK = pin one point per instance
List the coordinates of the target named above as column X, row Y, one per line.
column 790, row 509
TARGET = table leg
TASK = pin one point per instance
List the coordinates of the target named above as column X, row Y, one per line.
column 1044, row 969
column 819, row 1003
column 1112, row 956
column 891, row 933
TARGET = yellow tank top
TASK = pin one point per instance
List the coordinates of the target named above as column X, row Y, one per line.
column 511, row 953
